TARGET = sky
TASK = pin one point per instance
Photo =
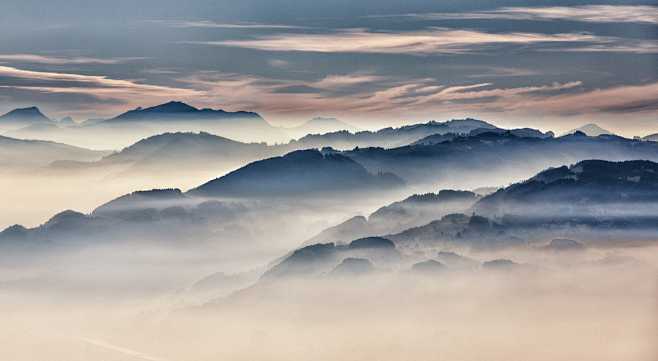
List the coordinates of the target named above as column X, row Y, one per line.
column 375, row 63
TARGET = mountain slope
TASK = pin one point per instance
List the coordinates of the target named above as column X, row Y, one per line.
column 588, row 188
column 19, row 152
column 170, row 151
column 303, row 172
column 320, row 125
column 391, row 137
column 592, row 130
column 413, row 211
column 492, row 159
column 24, row 116
column 178, row 111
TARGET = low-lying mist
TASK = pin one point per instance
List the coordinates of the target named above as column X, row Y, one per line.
column 598, row 304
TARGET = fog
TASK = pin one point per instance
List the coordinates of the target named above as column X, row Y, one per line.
column 598, row 304
column 281, row 275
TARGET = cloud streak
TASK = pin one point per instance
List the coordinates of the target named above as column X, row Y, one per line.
column 54, row 60
column 391, row 99
column 436, row 40
column 215, row 25
column 640, row 14
column 118, row 92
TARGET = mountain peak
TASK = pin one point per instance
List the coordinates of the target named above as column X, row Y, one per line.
column 173, row 107
column 591, row 129
column 179, row 111
column 25, row 114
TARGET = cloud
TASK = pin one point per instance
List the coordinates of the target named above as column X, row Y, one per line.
column 113, row 92
column 391, row 99
column 627, row 99
column 53, row 60
column 346, row 80
column 588, row 13
column 215, row 25
column 617, row 45
column 435, row 40
column 278, row 63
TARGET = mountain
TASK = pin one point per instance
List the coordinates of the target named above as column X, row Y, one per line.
column 588, row 188
column 500, row 265
column 140, row 200
column 458, row 231
column 651, row 137
column 159, row 215
column 520, row 132
column 391, row 137
column 31, row 153
column 67, row 122
column 428, row 267
column 303, row 172
column 456, row 261
column 353, row 267
column 24, row 117
column 591, row 130
column 358, row 257
column 189, row 151
column 177, row 116
column 491, row 158
column 416, row 210
column 320, row 125
column 593, row 199
column 179, row 111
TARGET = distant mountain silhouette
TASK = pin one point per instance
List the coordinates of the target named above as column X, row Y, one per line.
column 428, row 267
column 459, row 230
column 320, row 125
column 304, row 262
column 67, row 121
column 177, row 116
column 299, row 173
column 413, row 211
column 371, row 243
column 521, row 133
column 190, row 151
column 139, row 201
column 353, row 267
column 30, row 153
column 179, row 111
column 24, row 116
column 591, row 130
column 503, row 157
column 456, row 261
column 360, row 257
column 391, row 137
column 185, row 146
column 500, row 265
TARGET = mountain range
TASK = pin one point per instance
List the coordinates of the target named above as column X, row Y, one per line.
column 179, row 111
column 413, row 211
column 601, row 200
column 503, row 157
column 493, row 223
column 307, row 173
column 391, row 137
column 38, row 153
